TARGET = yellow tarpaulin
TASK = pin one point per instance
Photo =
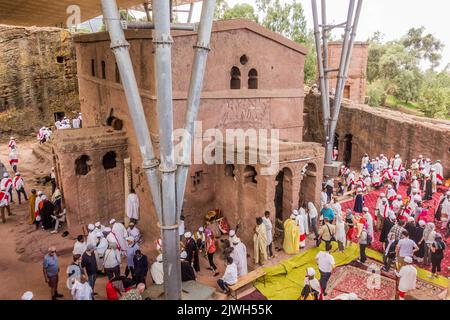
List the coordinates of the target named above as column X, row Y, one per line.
column 285, row 280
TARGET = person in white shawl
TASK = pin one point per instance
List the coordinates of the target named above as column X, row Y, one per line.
column 119, row 231
column 340, row 232
column 101, row 246
column 133, row 205
column 239, row 256
column 269, row 235
column 313, row 215
column 38, row 201
column 157, row 271
column 439, row 171
column 99, row 227
column 91, row 238
column 302, row 223
column 134, row 232
column 81, row 290
column 369, row 222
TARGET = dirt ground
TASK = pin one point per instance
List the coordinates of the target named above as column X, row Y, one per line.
column 24, row 247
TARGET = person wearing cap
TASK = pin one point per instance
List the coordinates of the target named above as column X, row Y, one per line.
column 391, row 195
column 89, row 265
column 359, row 201
column 19, row 186
column 443, row 210
column 382, row 211
column 311, row 286
column 327, row 232
column 7, row 183
column 157, row 270
column 230, row 276
column 140, row 263
column 408, row 278
column 101, row 244
column 51, row 271
column 365, row 160
column 387, row 227
column 419, row 240
column 405, row 248
column 397, row 204
column 57, row 200
column 239, row 255
column 187, row 272
column 120, row 233
column 13, row 158
column 415, row 185
column 369, row 222
column 91, row 238
column 192, row 251
column 364, row 241
column 439, row 170
column 4, row 204
column 27, row 296
column 200, row 238
column 132, row 247
column 132, row 206
column 291, row 241
column 112, row 260
column 134, row 232
column 99, row 227
column 59, row 218
column 12, row 145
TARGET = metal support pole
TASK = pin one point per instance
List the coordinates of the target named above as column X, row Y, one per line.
column 324, row 93
column 345, row 67
column 195, row 90
column 169, row 222
column 120, row 48
column 191, row 11
column 325, row 48
column 147, row 12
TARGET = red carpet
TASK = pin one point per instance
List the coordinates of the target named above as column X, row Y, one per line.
column 370, row 201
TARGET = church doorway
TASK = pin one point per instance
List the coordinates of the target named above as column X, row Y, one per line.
column 348, row 150
column 283, row 194
column 308, row 185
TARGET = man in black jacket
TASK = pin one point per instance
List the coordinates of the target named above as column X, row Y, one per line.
column 140, row 262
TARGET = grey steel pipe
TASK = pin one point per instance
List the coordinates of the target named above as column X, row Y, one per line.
column 347, row 62
column 195, row 90
column 151, row 25
column 324, row 94
column 120, row 47
column 325, row 48
column 169, row 222
column 340, row 83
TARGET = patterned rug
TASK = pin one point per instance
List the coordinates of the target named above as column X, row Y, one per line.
column 349, row 279
column 370, row 201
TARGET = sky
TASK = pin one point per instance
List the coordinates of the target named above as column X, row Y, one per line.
column 392, row 17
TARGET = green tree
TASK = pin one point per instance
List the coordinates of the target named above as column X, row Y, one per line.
column 377, row 93
column 423, row 46
column 434, row 98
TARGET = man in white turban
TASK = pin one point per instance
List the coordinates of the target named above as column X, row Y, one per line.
column 239, row 255
column 119, row 231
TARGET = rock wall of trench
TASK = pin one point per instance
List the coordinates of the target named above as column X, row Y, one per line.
column 37, row 77
column 380, row 130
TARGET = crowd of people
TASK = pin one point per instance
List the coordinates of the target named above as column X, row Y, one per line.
column 66, row 123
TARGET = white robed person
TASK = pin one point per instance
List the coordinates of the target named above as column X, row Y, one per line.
column 101, row 246
column 239, row 256
column 134, row 232
column 91, row 238
column 439, row 171
column 157, row 271
column 369, row 221
column 133, row 205
column 302, row 223
column 269, row 233
column 120, row 233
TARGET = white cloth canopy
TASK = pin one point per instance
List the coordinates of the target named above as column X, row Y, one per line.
column 133, row 206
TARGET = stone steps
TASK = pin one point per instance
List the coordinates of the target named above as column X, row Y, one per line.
column 43, row 152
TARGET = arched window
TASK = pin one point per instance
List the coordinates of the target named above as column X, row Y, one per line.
column 235, row 82
column 109, row 160
column 250, row 174
column 93, row 67
column 82, row 166
column 253, row 79
column 103, row 69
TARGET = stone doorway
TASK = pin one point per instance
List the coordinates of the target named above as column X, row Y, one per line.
column 308, row 185
column 283, row 194
column 348, row 150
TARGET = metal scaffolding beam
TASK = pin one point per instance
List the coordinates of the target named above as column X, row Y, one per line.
column 331, row 115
